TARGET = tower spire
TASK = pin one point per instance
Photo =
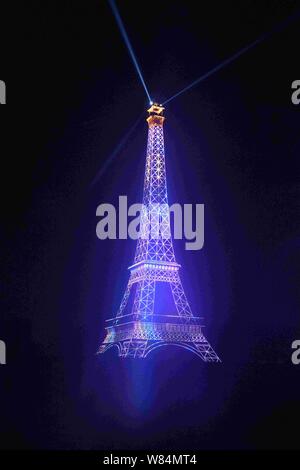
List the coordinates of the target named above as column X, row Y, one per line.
column 137, row 329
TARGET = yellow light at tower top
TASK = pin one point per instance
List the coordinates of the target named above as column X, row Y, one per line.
column 156, row 108
column 156, row 116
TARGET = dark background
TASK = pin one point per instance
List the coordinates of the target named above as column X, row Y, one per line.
column 232, row 143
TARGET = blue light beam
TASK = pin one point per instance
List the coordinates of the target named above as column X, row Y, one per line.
column 235, row 56
column 128, row 45
column 115, row 152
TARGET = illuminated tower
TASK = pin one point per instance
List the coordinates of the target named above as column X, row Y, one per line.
column 137, row 328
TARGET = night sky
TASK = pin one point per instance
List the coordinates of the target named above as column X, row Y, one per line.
column 232, row 143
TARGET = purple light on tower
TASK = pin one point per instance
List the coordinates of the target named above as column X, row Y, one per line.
column 137, row 329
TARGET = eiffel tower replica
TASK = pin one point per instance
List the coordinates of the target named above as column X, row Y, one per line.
column 137, row 329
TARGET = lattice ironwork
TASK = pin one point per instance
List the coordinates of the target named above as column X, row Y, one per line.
column 139, row 332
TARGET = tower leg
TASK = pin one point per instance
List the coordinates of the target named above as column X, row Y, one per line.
column 206, row 352
column 144, row 298
column 125, row 299
column 181, row 302
column 133, row 348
